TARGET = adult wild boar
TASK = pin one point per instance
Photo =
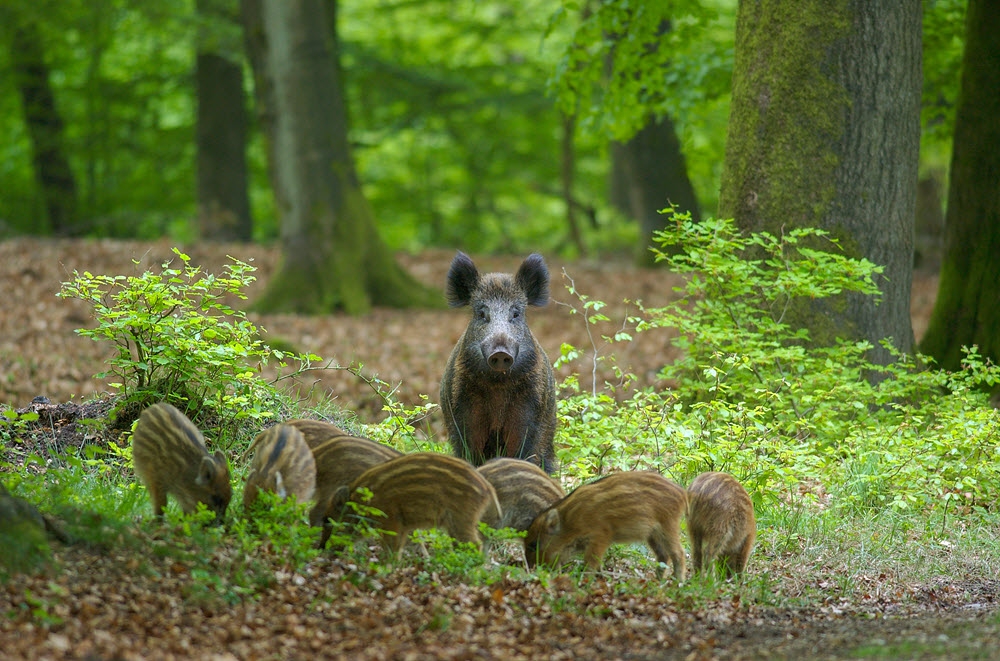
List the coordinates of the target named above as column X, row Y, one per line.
column 498, row 392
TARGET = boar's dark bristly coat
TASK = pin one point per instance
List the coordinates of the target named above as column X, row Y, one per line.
column 498, row 392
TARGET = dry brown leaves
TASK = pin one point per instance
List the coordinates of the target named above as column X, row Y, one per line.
column 131, row 605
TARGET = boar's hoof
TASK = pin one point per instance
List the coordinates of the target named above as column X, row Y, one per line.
column 500, row 361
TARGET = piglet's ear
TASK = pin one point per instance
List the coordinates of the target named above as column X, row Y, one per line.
column 463, row 278
column 552, row 522
column 206, row 471
column 533, row 279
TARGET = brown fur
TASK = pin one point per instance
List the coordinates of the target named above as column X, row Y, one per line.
column 170, row 457
column 523, row 490
column 317, row 432
column 339, row 461
column 622, row 507
column 720, row 522
column 283, row 464
column 427, row 490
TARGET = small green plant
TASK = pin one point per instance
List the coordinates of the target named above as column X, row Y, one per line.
column 279, row 528
column 177, row 338
column 447, row 556
column 42, row 606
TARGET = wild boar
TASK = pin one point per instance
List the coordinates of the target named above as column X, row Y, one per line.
column 316, row 432
column 339, row 461
column 622, row 507
column 427, row 490
column 523, row 490
column 170, row 457
column 721, row 523
column 498, row 393
column 283, row 464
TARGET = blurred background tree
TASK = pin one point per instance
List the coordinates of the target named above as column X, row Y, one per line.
column 455, row 129
column 492, row 125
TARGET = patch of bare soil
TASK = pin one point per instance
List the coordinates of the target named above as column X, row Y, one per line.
column 124, row 602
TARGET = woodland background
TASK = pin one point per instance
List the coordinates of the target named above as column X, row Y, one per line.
column 349, row 148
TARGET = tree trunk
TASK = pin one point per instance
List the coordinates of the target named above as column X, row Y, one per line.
column 45, row 126
column 824, row 131
column 567, row 172
column 332, row 256
column 967, row 309
column 648, row 173
column 223, row 198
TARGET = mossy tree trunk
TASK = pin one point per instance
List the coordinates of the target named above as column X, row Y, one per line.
column 649, row 173
column 967, row 309
column 332, row 256
column 221, row 131
column 824, row 131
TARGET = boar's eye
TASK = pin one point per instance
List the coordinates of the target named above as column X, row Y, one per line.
column 483, row 314
column 515, row 313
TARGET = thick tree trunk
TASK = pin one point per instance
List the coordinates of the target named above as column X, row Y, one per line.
column 332, row 256
column 45, row 126
column 824, row 131
column 648, row 173
column 967, row 310
column 223, row 198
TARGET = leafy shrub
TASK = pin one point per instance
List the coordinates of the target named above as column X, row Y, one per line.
column 176, row 338
column 795, row 421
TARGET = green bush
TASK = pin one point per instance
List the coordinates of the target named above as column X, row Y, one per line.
column 795, row 421
column 176, row 338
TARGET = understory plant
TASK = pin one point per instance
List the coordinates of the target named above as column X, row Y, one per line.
column 754, row 395
column 176, row 337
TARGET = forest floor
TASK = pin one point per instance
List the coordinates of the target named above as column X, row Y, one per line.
column 123, row 602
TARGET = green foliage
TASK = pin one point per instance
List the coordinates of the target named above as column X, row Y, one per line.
column 278, row 529
column 458, row 138
column 798, row 424
column 943, row 44
column 627, row 61
column 177, row 338
column 446, row 556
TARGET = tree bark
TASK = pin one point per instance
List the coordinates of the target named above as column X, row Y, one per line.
column 567, row 173
column 45, row 126
column 649, row 173
column 221, row 134
column 967, row 309
column 332, row 256
column 824, row 131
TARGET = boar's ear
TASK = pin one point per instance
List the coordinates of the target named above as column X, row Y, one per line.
column 220, row 461
column 463, row 278
column 533, row 279
column 551, row 522
column 206, row 471
column 337, row 500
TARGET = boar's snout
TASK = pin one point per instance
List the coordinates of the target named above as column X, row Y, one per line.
column 500, row 352
column 500, row 361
